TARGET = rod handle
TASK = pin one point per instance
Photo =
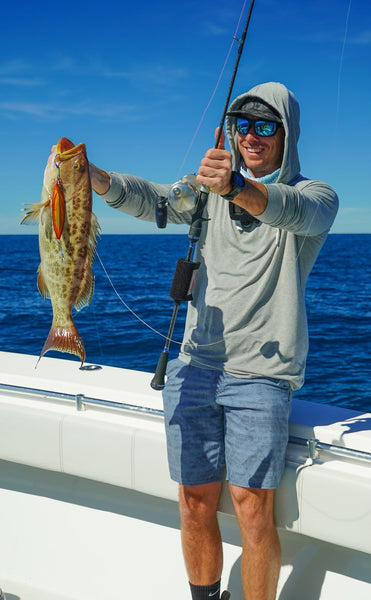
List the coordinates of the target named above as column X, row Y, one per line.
column 158, row 381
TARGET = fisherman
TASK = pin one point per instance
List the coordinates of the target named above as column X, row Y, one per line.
column 227, row 396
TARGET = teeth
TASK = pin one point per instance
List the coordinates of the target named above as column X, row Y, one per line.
column 254, row 150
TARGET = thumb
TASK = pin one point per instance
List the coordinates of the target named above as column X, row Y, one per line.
column 222, row 138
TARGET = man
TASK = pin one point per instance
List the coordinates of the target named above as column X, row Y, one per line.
column 227, row 397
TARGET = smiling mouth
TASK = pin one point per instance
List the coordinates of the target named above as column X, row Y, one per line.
column 254, row 150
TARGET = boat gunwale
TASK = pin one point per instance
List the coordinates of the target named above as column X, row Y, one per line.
column 314, row 445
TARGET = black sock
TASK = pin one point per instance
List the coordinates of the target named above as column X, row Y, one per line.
column 205, row 592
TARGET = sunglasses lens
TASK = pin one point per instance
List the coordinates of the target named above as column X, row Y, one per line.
column 243, row 126
column 262, row 128
column 265, row 128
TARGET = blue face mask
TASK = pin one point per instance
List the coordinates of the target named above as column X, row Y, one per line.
column 270, row 178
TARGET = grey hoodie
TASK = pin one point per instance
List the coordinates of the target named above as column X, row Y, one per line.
column 248, row 316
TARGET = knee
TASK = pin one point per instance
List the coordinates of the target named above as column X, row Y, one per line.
column 199, row 501
column 254, row 511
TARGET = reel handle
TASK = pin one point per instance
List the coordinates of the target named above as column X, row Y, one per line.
column 161, row 212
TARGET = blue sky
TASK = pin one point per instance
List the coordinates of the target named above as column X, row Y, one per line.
column 132, row 81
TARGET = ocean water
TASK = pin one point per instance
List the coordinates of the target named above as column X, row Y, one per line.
column 134, row 273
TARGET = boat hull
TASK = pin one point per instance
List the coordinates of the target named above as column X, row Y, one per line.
column 87, row 508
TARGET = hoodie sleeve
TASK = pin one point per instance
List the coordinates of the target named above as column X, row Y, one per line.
column 308, row 208
column 137, row 197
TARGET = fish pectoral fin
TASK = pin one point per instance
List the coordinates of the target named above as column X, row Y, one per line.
column 64, row 339
column 41, row 285
column 33, row 212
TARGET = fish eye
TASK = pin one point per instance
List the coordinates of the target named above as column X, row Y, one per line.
column 77, row 166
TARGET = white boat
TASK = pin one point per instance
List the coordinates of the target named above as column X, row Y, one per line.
column 88, row 511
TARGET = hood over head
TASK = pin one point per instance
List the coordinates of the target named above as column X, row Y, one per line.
column 279, row 100
column 257, row 108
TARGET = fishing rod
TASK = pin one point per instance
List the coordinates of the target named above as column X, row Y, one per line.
column 185, row 194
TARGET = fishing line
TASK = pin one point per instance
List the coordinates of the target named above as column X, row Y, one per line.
column 300, row 248
column 127, row 306
column 337, row 109
column 341, row 62
column 96, row 253
column 304, row 238
column 240, row 42
column 140, row 318
column 186, row 269
column 234, row 40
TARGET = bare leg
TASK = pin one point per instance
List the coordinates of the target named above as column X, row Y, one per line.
column 261, row 551
column 201, row 540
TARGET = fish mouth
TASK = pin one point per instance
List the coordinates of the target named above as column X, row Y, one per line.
column 66, row 149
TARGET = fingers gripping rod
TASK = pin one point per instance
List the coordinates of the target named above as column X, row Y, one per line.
column 185, row 271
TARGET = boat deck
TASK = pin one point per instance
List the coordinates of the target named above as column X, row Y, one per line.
column 15, row 591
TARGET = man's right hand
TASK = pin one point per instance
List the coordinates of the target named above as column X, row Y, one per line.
column 100, row 180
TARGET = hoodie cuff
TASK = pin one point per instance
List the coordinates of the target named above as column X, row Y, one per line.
column 274, row 205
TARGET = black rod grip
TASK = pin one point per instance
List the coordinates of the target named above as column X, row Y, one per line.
column 161, row 212
column 158, row 381
column 181, row 287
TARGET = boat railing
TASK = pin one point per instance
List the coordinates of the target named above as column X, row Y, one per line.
column 81, row 400
column 314, row 446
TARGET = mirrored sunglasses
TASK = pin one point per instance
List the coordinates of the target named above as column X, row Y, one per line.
column 261, row 128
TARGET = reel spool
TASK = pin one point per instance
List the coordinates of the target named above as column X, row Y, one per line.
column 182, row 197
column 183, row 194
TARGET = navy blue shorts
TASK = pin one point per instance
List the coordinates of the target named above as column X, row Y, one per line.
column 218, row 425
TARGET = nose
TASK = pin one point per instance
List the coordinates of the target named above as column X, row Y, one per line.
column 251, row 135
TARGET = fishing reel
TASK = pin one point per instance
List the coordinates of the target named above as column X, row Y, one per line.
column 183, row 196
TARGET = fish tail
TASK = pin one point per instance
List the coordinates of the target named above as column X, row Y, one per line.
column 64, row 339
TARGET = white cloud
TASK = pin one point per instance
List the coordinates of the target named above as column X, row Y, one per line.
column 15, row 66
column 21, row 81
column 361, row 39
column 158, row 74
column 46, row 111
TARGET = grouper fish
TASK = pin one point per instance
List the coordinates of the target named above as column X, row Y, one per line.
column 68, row 232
